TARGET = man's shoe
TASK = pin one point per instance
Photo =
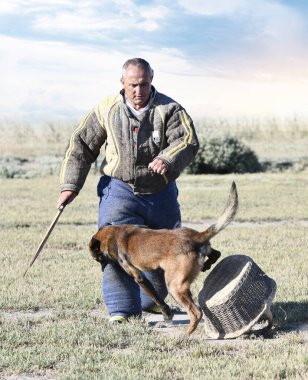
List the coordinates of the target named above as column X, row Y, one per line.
column 154, row 310
column 117, row 319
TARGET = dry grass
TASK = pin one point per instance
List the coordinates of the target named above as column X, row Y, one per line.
column 271, row 138
column 24, row 140
column 51, row 321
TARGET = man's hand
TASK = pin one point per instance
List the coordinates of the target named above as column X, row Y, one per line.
column 66, row 197
column 158, row 166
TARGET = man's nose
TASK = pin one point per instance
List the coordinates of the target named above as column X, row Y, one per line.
column 138, row 89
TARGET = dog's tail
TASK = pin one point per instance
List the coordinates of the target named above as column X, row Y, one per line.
column 224, row 219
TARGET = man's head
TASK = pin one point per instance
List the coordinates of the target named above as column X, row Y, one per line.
column 136, row 80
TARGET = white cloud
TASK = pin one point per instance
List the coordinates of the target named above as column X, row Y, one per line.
column 32, row 6
column 270, row 44
column 48, row 78
column 53, row 79
column 274, row 24
column 269, row 20
column 7, row 8
column 69, row 16
column 213, row 8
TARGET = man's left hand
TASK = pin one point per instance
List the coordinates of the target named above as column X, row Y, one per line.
column 158, row 166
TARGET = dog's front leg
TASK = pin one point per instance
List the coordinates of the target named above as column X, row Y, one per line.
column 149, row 289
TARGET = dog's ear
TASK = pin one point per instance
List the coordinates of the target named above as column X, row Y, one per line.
column 95, row 245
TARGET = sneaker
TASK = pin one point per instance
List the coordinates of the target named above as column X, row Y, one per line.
column 154, row 310
column 117, row 319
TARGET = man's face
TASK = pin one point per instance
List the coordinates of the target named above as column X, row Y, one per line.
column 137, row 86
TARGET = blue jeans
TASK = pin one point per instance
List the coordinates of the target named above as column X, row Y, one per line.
column 119, row 205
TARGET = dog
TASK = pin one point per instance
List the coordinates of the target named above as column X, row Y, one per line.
column 182, row 253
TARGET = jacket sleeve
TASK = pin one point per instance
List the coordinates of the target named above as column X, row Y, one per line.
column 182, row 142
column 83, row 149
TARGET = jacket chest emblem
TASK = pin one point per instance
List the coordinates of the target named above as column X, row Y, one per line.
column 156, row 135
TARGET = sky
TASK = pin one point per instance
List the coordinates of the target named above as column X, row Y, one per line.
column 220, row 58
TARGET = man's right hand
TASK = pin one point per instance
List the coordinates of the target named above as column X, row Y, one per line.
column 66, row 197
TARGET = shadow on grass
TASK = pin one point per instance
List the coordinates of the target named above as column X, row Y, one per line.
column 286, row 313
column 287, row 317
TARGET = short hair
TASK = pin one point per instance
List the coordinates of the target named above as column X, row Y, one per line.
column 139, row 62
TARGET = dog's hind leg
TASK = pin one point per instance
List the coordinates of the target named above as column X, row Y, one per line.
column 179, row 283
column 182, row 295
column 146, row 286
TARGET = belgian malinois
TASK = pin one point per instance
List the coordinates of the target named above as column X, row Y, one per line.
column 180, row 252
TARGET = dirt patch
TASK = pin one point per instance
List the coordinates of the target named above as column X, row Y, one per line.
column 31, row 314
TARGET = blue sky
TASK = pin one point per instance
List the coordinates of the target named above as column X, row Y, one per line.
column 218, row 58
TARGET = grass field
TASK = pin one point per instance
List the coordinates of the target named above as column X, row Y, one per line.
column 270, row 138
column 52, row 322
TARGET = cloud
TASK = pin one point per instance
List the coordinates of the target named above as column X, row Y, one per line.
column 213, row 8
column 66, row 16
column 6, row 8
column 35, row 6
column 256, row 39
column 255, row 24
column 59, row 79
column 218, row 57
column 45, row 80
column 53, row 76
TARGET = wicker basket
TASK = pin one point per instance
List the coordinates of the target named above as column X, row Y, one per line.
column 234, row 296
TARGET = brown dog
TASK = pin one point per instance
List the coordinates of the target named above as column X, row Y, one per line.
column 180, row 253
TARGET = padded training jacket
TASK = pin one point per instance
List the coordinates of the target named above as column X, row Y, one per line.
column 131, row 142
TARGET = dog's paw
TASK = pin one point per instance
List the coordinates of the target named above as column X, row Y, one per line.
column 207, row 265
column 167, row 313
column 212, row 258
column 163, row 325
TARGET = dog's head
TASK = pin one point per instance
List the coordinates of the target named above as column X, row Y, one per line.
column 95, row 249
column 96, row 253
column 97, row 244
column 103, row 247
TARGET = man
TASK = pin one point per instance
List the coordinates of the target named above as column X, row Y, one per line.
column 149, row 139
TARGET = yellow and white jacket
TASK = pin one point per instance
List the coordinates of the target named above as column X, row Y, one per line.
column 131, row 143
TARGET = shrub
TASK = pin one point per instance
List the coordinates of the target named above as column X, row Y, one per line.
column 222, row 155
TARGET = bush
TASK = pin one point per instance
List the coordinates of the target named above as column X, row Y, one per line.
column 222, row 155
